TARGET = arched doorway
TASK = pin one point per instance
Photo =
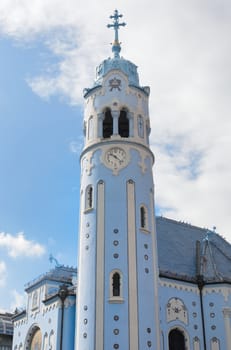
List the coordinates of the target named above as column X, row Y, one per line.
column 176, row 340
column 34, row 339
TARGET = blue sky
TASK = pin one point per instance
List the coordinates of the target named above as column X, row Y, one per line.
column 39, row 185
column 48, row 54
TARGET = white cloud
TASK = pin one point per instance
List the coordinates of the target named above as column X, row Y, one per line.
column 18, row 300
column 76, row 146
column 19, row 246
column 2, row 273
column 183, row 51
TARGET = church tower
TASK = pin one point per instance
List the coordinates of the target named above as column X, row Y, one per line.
column 117, row 301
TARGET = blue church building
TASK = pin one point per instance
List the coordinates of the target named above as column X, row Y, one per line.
column 143, row 282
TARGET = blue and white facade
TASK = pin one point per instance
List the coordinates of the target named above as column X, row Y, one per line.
column 144, row 282
column 194, row 287
column 117, row 299
column 48, row 321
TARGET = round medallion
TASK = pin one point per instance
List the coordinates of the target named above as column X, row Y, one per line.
column 116, row 158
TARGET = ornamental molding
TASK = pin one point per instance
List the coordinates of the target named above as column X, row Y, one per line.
column 115, row 74
column 142, row 163
column 176, row 310
column 20, row 323
column 87, row 164
column 179, row 286
column 115, row 83
column 145, row 154
column 50, row 307
column 225, row 291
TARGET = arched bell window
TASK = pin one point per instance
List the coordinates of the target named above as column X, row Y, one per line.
column 107, row 124
column 123, row 124
column 176, row 340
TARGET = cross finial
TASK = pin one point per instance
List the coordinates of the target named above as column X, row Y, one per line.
column 116, row 45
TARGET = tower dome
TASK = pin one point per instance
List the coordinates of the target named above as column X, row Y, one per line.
column 117, row 62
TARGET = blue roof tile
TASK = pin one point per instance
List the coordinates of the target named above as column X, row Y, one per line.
column 176, row 243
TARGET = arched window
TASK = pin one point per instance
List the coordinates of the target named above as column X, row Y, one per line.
column 89, row 197
column 123, row 124
column 116, row 285
column 143, row 217
column 176, row 340
column 107, row 124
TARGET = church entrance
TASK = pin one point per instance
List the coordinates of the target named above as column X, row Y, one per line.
column 34, row 339
column 176, row 340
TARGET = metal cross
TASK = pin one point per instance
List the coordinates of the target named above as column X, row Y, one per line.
column 116, row 24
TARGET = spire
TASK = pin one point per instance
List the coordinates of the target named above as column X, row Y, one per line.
column 116, row 45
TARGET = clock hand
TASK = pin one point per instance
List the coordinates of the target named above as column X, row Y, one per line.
column 113, row 155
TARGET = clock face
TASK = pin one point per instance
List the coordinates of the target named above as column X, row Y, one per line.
column 116, row 158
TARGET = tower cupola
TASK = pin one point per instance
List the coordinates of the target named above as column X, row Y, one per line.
column 116, row 105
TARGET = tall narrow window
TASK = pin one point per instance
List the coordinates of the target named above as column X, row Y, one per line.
column 107, row 124
column 116, row 287
column 116, row 284
column 140, row 126
column 89, row 198
column 176, row 340
column 123, row 124
column 143, row 217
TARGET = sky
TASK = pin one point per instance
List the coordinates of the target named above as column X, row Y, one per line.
column 48, row 54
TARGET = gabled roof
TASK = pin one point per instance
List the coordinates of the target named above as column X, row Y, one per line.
column 177, row 255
